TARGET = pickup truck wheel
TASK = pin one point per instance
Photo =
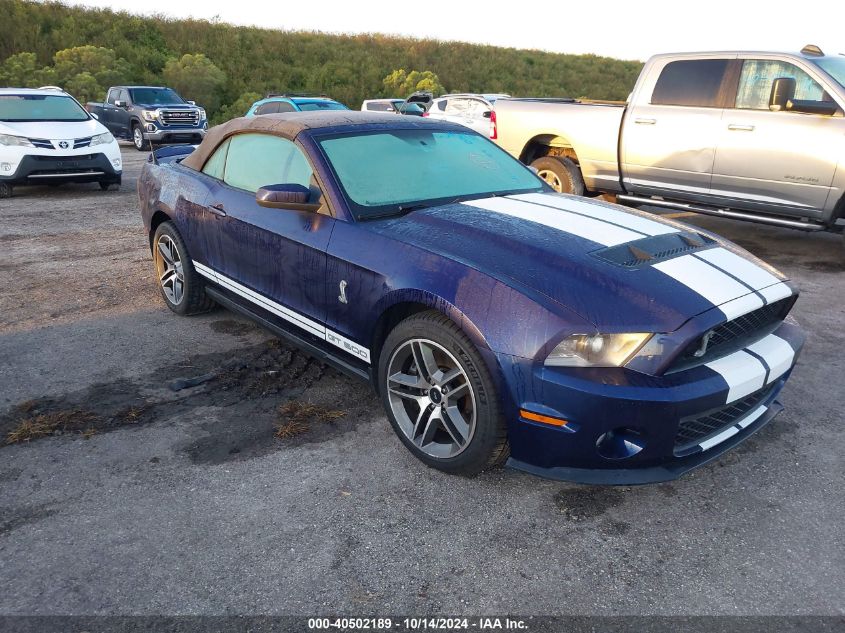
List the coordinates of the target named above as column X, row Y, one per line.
column 182, row 288
column 138, row 137
column 561, row 174
column 5, row 190
column 440, row 397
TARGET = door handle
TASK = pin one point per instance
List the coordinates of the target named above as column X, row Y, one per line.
column 645, row 121
column 741, row 128
column 217, row 209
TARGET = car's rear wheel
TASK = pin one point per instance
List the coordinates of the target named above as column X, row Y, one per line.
column 5, row 190
column 440, row 397
column 181, row 287
column 561, row 174
column 138, row 137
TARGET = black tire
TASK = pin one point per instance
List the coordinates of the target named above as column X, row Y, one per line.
column 561, row 173
column 105, row 184
column 192, row 298
column 138, row 138
column 5, row 190
column 488, row 444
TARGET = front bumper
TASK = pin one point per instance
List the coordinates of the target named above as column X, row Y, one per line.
column 42, row 168
column 173, row 134
column 642, row 414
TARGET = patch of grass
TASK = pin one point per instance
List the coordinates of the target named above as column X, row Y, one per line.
column 130, row 415
column 296, row 418
column 44, row 424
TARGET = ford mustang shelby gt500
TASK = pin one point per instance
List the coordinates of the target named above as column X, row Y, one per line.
column 494, row 317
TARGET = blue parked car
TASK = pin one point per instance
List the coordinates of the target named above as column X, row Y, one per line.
column 277, row 103
column 494, row 317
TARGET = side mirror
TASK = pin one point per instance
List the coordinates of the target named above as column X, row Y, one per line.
column 827, row 108
column 487, row 114
column 783, row 90
column 119, row 103
column 192, row 102
column 285, row 196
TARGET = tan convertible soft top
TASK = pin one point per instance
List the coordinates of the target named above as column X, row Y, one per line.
column 286, row 125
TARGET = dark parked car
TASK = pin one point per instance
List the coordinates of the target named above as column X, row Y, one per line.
column 494, row 317
column 150, row 114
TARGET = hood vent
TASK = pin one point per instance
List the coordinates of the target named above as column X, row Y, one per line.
column 651, row 250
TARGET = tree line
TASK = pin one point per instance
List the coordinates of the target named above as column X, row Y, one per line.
column 225, row 68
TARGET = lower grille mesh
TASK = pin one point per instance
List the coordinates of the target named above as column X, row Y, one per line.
column 693, row 431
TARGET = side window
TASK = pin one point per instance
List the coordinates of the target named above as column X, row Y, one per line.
column 113, row 95
column 284, row 106
column 123, row 95
column 267, row 108
column 257, row 160
column 214, row 166
column 457, row 107
column 694, row 82
column 758, row 75
column 441, row 105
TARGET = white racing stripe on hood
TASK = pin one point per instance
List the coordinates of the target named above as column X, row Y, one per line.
column 591, row 229
column 776, row 293
column 745, row 270
column 599, row 212
column 711, row 283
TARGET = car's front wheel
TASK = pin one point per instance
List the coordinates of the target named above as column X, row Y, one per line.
column 181, row 286
column 5, row 190
column 440, row 397
column 138, row 137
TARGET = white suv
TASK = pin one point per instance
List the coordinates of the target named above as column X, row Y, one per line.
column 471, row 110
column 46, row 136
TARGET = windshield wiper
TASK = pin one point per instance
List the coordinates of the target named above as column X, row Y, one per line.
column 401, row 209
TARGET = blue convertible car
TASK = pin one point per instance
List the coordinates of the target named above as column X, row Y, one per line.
column 494, row 317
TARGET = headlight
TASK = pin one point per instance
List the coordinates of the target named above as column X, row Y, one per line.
column 101, row 139
column 20, row 141
column 150, row 115
column 202, row 113
column 597, row 350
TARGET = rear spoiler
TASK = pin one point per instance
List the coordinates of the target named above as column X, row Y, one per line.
column 170, row 154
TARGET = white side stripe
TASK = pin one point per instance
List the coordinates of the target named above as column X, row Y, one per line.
column 709, row 282
column 777, row 353
column 752, row 417
column 594, row 230
column 312, row 327
column 743, row 373
column 741, row 268
column 598, row 211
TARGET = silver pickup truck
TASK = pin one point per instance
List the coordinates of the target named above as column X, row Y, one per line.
column 754, row 136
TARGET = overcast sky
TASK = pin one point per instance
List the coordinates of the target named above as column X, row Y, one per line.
column 628, row 30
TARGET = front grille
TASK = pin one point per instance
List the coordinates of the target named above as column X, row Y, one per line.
column 734, row 335
column 179, row 117
column 42, row 143
column 60, row 159
column 81, row 142
column 692, row 431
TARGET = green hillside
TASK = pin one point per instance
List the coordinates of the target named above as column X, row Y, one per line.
column 238, row 62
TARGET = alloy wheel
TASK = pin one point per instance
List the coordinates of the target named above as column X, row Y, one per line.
column 431, row 398
column 138, row 137
column 552, row 179
column 169, row 268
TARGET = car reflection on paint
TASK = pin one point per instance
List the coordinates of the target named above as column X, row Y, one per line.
column 496, row 320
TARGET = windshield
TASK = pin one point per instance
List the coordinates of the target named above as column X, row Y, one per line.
column 155, row 96
column 309, row 106
column 20, row 108
column 833, row 66
column 385, row 173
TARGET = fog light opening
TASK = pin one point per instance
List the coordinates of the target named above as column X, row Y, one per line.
column 621, row 443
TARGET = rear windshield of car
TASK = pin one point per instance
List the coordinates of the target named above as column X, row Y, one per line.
column 310, row 106
column 385, row 172
column 21, row 108
column 155, row 96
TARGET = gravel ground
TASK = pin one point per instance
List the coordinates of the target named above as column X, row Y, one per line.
column 184, row 502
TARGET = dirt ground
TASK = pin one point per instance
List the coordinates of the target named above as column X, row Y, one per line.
column 172, row 470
